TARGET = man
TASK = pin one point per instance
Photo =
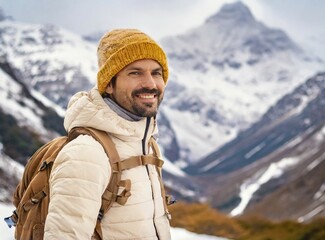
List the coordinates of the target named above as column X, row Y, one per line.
column 130, row 86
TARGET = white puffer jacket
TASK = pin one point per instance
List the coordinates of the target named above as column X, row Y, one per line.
column 81, row 173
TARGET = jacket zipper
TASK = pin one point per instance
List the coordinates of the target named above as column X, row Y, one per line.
column 144, row 141
column 144, row 153
column 145, row 136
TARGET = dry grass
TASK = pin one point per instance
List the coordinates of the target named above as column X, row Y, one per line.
column 201, row 218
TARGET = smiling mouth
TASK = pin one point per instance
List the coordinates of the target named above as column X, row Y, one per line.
column 147, row 96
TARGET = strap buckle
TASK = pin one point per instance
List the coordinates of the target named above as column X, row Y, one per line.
column 170, row 200
column 10, row 222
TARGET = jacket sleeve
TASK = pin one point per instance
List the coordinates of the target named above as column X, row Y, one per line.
column 78, row 179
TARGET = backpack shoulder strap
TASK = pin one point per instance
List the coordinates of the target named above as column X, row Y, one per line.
column 110, row 194
column 155, row 147
column 102, row 137
column 168, row 200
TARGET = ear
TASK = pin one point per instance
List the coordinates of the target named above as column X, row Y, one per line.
column 109, row 88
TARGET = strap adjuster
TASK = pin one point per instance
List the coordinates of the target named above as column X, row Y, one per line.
column 100, row 214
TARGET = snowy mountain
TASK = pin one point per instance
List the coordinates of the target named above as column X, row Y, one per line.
column 24, row 113
column 229, row 71
column 27, row 119
column 276, row 167
column 49, row 59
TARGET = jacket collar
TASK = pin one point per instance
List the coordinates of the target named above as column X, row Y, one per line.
column 90, row 110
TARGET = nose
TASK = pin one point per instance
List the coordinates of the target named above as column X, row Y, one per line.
column 148, row 81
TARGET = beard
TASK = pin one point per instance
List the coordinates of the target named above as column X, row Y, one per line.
column 146, row 109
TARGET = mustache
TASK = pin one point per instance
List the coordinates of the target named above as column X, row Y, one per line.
column 146, row 90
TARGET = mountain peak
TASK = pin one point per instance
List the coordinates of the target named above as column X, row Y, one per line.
column 236, row 12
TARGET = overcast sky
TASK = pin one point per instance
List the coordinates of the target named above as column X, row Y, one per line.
column 300, row 18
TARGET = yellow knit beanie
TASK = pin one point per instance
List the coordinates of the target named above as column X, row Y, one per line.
column 120, row 47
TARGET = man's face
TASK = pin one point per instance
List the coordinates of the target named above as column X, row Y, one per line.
column 139, row 87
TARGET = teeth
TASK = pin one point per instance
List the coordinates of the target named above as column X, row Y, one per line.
column 146, row 96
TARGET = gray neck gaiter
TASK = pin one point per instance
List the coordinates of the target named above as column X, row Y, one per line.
column 121, row 111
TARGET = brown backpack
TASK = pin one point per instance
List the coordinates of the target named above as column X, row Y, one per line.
column 31, row 197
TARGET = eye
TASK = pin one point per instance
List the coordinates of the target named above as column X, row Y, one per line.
column 135, row 73
column 157, row 73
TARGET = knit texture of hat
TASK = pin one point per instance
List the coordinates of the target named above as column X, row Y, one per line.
column 121, row 47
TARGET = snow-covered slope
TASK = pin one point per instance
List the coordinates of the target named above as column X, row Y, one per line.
column 16, row 101
column 276, row 167
column 11, row 172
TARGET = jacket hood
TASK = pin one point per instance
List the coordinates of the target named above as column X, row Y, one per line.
column 88, row 109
